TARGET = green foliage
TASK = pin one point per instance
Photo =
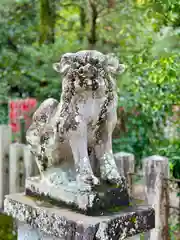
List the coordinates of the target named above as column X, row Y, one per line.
column 170, row 10
column 25, row 66
column 150, row 86
column 3, row 102
column 17, row 28
column 7, row 228
column 4, row 113
column 174, row 231
column 172, row 151
column 152, row 94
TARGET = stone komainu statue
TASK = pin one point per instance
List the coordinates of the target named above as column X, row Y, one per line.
column 78, row 130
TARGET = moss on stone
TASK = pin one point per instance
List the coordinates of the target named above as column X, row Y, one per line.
column 104, row 186
column 108, row 199
column 116, row 209
column 133, row 219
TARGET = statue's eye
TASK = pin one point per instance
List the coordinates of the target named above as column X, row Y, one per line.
column 65, row 58
column 91, row 60
column 96, row 61
column 81, row 70
column 75, row 59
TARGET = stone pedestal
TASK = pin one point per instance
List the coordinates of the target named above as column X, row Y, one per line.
column 65, row 224
column 25, row 232
column 97, row 201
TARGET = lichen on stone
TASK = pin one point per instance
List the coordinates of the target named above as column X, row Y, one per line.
column 84, row 118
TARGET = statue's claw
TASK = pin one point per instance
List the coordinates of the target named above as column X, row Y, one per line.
column 112, row 177
column 93, row 180
column 87, row 181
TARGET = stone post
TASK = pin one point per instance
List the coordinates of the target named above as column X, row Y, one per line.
column 16, row 168
column 29, row 162
column 125, row 163
column 5, row 140
column 155, row 170
column 22, row 130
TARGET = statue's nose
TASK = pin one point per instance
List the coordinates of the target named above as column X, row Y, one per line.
column 88, row 67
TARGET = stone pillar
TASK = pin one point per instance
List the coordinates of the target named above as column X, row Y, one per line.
column 16, row 168
column 125, row 163
column 155, row 170
column 29, row 162
column 5, row 140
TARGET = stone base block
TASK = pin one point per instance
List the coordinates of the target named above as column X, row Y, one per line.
column 65, row 224
column 98, row 201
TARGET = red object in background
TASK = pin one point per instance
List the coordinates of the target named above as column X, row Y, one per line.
column 14, row 127
column 22, row 107
column 121, row 109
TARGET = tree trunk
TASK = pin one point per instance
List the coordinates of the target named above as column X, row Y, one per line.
column 47, row 21
column 94, row 14
column 82, row 23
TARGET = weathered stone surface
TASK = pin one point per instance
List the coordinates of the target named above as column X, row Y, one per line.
column 65, row 224
column 5, row 141
column 78, row 129
column 29, row 162
column 26, row 232
column 125, row 163
column 136, row 237
column 16, row 170
column 100, row 200
column 156, row 168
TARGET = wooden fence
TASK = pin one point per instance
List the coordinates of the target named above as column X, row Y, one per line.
column 17, row 163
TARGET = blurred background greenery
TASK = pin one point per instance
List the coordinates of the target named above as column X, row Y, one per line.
column 143, row 34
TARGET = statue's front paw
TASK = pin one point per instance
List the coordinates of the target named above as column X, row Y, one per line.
column 112, row 176
column 87, row 180
column 90, row 179
column 93, row 180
